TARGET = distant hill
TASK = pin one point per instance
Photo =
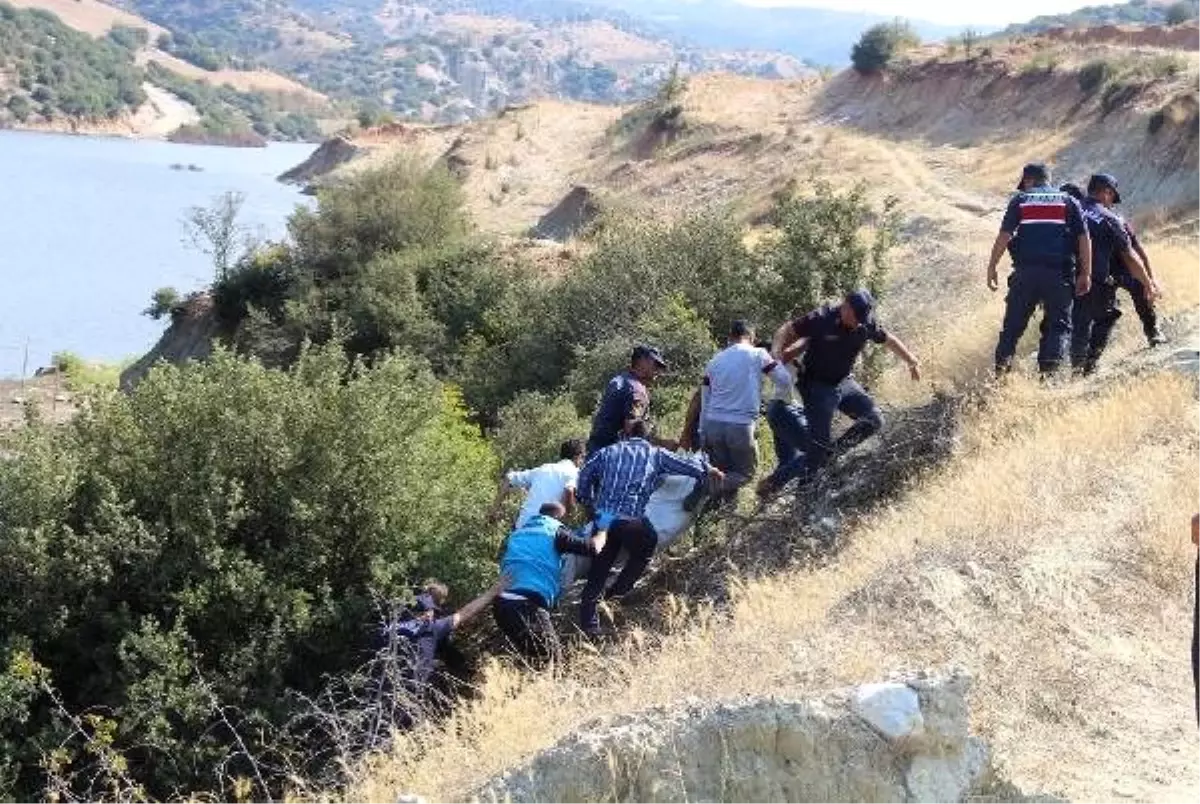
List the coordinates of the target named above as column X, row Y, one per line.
column 819, row 36
column 1138, row 12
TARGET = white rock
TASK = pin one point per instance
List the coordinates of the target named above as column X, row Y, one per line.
column 893, row 709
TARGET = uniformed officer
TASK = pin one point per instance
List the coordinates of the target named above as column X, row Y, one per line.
column 1096, row 313
column 1052, row 263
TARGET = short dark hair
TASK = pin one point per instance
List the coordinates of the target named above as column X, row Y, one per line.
column 740, row 328
column 571, row 449
column 555, row 510
column 640, row 428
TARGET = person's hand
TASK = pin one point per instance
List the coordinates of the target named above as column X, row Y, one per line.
column 993, row 278
column 598, row 542
column 1153, row 291
column 716, row 474
column 914, row 370
column 1083, row 285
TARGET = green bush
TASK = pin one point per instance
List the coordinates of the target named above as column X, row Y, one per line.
column 221, row 534
column 1094, row 75
column 532, row 427
column 879, row 44
column 163, row 302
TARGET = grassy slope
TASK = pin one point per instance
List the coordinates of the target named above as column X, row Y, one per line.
column 1048, row 553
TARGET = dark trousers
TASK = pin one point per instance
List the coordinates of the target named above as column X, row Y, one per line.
column 638, row 538
column 1092, row 321
column 789, row 430
column 1029, row 286
column 821, row 402
column 1143, row 306
column 527, row 626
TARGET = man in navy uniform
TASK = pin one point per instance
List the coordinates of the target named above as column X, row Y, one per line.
column 1052, row 264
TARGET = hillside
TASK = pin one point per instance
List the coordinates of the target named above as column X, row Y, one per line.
column 1061, row 597
column 445, row 60
column 1138, row 12
column 110, row 77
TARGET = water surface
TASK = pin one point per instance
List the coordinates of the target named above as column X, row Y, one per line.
column 91, row 226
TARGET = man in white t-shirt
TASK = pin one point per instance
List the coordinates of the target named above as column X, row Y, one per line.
column 548, row 483
column 730, row 398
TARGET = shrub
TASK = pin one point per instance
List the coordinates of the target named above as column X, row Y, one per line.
column 1095, row 74
column 879, row 44
column 218, row 537
column 532, row 426
column 163, row 302
column 400, row 205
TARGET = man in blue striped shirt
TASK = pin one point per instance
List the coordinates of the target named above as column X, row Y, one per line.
column 616, row 484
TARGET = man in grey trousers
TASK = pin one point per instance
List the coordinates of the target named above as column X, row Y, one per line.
column 729, row 400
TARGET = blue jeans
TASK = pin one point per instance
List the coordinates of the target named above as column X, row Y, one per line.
column 789, row 430
column 821, row 402
column 1029, row 286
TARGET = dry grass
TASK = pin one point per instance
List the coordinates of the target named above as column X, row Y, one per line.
column 1050, row 568
column 90, row 16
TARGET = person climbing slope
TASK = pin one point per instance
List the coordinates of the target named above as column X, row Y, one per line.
column 1096, row 312
column 549, row 483
column 532, row 558
column 617, row 483
column 832, row 337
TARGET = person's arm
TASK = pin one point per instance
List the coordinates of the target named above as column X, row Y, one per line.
column 999, row 247
column 566, row 541
column 698, row 468
column 690, row 421
column 478, row 605
column 777, row 371
column 585, row 485
column 897, row 347
column 791, row 338
column 792, row 352
column 1136, row 245
column 568, row 500
column 1140, row 272
column 784, row 337
column 1083, row 272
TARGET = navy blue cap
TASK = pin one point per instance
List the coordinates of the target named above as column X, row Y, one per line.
column 425, row 602
column 643, row 351
column 1036, row 171
column 1108, row 180
column 863, row 304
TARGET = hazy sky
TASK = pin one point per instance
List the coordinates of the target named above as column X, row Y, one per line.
column 949, row 13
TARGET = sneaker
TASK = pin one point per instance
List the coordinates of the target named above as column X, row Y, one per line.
column 1156, row 338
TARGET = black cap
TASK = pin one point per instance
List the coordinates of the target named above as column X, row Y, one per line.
column 642, row 350
column 424, row 603
column 1105, row 180
column 863, row 304
column 740, row 328
column 1036, row 171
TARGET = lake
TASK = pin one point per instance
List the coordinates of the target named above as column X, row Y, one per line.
column 92, row 226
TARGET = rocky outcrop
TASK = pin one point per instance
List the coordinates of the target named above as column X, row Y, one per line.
column 193, row 331
column 331, row 155
column 569, row 217
column 902, row 740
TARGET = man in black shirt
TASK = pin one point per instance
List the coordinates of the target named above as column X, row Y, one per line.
column 833, row 337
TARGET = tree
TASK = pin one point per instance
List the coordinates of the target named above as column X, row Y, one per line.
column 215, row 231
column 969, row 38
column 1178, row 13
column 162, row 303
column 880, row 43
column 20, row 107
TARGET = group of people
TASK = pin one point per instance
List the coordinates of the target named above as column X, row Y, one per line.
column 1071, row 253
column 641, row 491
